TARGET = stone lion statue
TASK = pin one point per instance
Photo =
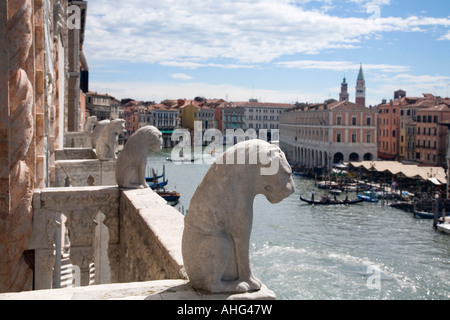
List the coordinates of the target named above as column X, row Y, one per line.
column 106, row 143
column 97, row 130
column 90, row 124
column 216, row 238
column 130, row 166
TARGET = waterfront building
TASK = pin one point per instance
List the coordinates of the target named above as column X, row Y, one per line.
column 431, row 145
column 397, row 126
column 259, row 116
column 100, row 105
column 319, row 135
column 229, row 116
column 163, row 117
column 131, row 116
column 193, row 111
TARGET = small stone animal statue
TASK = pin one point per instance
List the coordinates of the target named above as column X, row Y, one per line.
column 90, row 124
column 98, row 128
column 216, row 237
column 106, row 143
column 130, row 166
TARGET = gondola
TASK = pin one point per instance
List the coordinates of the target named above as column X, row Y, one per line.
column 329, row 202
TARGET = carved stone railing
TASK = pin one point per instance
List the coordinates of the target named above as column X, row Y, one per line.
column 127, row 236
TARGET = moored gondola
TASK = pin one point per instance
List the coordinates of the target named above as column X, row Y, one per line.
column 329, row 202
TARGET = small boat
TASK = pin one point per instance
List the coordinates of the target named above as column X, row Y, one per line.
column 426, row 215
column 299, row 174
column 171, row 197
column 367, row 198
column 329, row 202
column 150, row 179
column 153, row 181
column 444, row 227
column 157, row 185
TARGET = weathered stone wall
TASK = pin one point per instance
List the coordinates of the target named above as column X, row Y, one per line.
column 77, row 140
column 85, row 173
column 151, row 233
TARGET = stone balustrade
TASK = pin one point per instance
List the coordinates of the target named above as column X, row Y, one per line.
column 128, row 235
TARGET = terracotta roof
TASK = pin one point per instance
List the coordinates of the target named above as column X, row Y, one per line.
column 441, row 107
column 345, row 105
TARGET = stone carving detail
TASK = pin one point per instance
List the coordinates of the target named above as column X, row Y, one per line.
column 216, row 236
column 20, row 34
column 130, row 167
column 106, row 143
column 58, row 20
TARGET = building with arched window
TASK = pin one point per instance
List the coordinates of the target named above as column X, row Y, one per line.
column 320, row 135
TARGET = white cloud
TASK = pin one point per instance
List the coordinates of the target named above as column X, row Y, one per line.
column 181, row 76
column 445, row 37
column 237, row 32
column 341, row 66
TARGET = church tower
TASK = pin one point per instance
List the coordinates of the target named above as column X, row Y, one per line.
column 343, row 96
column 361, row 88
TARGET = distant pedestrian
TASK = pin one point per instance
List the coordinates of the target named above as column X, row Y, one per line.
column 312, row 195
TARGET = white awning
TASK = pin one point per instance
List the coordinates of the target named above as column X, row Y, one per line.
column 434, row 181
column 409, row 171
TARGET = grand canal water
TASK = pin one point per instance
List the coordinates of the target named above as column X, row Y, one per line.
column 364, row 251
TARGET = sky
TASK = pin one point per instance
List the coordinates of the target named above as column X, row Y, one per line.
column 283, row 51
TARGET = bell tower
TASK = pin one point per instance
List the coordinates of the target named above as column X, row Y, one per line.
column 361, row 88
column 343, row 96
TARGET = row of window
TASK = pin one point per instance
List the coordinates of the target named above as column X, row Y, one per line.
column 427, row 119
column 354, row 121
column 419, row 157
column 354, row 137
column 271, row 118
column 204, row 115
column 410, row 145
column 266, row 111
column 263, row 126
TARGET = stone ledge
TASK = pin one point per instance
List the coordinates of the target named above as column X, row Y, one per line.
column 153, row 290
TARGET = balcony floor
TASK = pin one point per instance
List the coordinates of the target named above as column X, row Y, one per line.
column 153, row 290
